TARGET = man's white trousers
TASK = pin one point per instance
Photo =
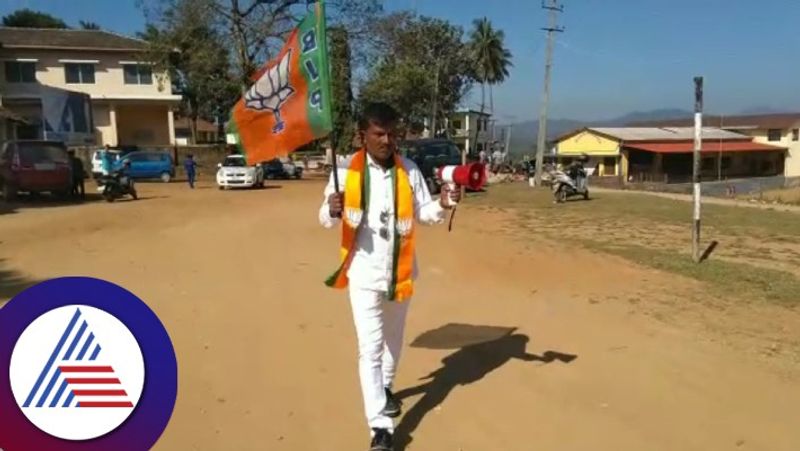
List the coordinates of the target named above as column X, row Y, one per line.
column 379, row 327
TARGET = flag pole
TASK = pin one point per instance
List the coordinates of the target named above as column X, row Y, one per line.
column 327, row 91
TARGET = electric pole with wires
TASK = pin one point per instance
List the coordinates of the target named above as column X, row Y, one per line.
column 554, row 8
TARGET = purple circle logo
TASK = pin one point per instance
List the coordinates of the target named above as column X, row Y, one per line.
column 90, row 367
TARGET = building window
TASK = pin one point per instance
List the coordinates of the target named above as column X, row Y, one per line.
column 20, row 72
column 138, row 74
column 709, row 164
column 726, row 163
column 79, row 73
column 774, row 134
column 796, row 134
column 457, row 124
column 609, row 166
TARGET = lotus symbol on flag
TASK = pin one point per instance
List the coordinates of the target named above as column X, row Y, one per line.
column 271, row 91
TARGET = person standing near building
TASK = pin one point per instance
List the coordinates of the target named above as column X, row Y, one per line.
column 190, row 166
column 78, row 175
column 106, row 159
column 383, row 196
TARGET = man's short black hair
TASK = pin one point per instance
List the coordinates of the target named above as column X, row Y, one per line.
column 378, row 113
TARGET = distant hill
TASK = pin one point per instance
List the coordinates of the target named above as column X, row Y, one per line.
column 523, row 134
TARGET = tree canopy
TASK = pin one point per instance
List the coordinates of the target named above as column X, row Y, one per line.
column 188, row 47
column 28, row 18
column 421, row 66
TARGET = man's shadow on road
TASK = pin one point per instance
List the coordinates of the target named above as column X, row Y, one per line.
column 481, row 350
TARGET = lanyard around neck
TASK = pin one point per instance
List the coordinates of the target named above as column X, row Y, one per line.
column 367, row 187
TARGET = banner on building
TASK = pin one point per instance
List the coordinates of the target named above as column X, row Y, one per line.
column 67, row 116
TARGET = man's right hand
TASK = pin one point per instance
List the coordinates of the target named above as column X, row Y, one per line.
column 336, row 204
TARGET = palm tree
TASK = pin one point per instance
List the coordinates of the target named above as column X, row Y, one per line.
column 491, row 59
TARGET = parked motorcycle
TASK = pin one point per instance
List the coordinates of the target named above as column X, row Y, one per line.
column 116, row 185
column 574, row 182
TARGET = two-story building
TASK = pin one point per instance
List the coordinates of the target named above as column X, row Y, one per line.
column 781, row 130
column 470, row 130
column 131, row 104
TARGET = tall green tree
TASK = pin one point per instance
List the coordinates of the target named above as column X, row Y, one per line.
column 28, row 18
column 186, row 45
column 420, row 65
column 490, row 57
column 342, row 90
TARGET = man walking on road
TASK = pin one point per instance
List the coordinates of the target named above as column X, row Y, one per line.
column 190, row 166
column 383, row 196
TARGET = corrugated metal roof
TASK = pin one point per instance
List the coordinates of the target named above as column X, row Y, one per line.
column 666, row 133
column 53, row 38
column 708, row 147
column 762, row 121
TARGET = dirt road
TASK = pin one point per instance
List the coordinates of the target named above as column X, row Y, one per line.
column 267, row 353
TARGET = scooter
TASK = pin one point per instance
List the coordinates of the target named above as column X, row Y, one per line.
column 576, row 183
column 115, row 186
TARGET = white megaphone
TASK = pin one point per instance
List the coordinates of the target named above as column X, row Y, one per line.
column 472, row 176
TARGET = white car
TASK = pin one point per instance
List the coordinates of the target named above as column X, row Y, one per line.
column 234, row 172
column 97, row 161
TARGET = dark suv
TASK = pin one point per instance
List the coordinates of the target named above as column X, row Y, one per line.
column 34, row 166
column 430, row 154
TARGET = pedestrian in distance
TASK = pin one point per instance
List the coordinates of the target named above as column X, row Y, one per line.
column 384, row 195
column 190, row 166
column 78, row 175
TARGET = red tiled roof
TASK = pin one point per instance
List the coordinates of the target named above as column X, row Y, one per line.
column 708, row 147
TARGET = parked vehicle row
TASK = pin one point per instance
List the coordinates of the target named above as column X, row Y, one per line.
column 234, row 172
column 144, row 164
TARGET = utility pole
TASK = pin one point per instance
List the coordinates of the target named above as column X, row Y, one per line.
column 435, row 102
column 554, row 8
column 698, row 145
column 508, row 139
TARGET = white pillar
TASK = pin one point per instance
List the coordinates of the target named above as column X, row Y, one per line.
column 112, row 119
column 171, row 125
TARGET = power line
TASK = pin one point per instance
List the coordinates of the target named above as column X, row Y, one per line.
column 552, row 27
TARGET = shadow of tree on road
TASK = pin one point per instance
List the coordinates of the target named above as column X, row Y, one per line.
column 483, row 349
column 12, row 283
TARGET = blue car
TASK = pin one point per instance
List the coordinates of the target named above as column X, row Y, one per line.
column 149, row 165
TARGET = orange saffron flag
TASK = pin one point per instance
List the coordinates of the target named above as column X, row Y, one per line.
column 289, row 105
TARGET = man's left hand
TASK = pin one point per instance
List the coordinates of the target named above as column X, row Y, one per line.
column 454, row 195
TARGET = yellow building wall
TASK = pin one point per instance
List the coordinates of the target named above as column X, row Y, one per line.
column 589, row 143
column 792, row 162
column 142, row 125
column 103, row 130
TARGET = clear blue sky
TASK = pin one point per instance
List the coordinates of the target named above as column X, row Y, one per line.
column 616, row 56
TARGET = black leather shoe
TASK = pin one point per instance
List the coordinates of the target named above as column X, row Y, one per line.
column 393, row 407
column 381, row 441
